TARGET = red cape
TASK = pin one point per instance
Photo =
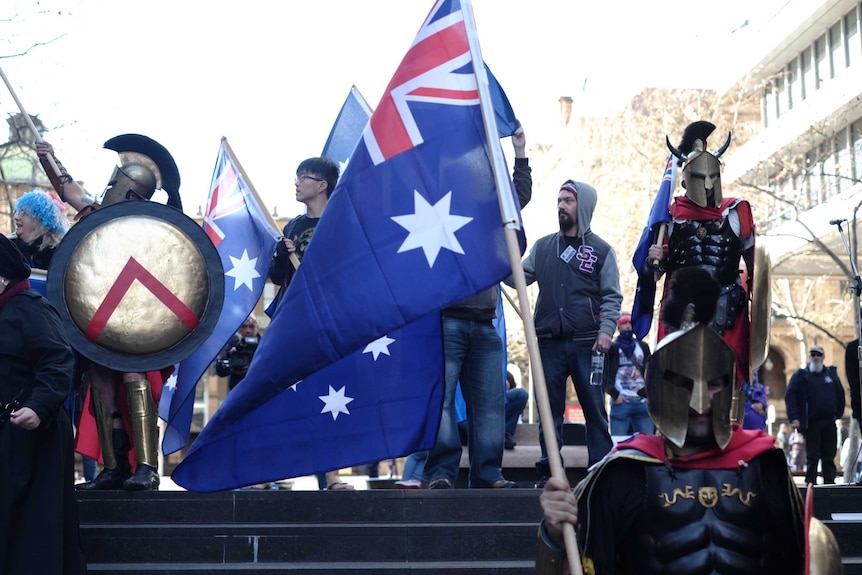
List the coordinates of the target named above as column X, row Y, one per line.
column 745, row 445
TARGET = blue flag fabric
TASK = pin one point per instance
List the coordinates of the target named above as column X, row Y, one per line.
column 503, row 112
column 348, row 127
column 642, row 308
column 358, row 410
column 245, row 240
column 413, row 226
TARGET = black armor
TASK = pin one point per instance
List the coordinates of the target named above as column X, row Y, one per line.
column 666, row 519
column 713, row 246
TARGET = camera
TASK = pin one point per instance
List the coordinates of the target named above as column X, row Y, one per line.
column 240, row 351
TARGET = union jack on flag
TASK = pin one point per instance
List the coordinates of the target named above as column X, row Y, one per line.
column 437, row 69
column 241, row 231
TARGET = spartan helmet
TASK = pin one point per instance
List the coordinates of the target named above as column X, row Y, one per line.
column 145, row 166
column 691, row 360
column 701, row 170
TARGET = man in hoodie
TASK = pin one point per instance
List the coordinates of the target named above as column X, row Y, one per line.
column 576, row 314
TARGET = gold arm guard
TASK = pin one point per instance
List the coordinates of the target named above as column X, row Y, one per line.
column 761, row 306
column 144, row 419
column 548, row 561
column 824, row 557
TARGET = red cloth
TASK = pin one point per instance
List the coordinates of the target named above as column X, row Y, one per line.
column 744, row 445
column 87, row 440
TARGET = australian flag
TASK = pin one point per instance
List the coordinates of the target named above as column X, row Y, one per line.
column 241, row 231
column 659, row 214
column 413, row 226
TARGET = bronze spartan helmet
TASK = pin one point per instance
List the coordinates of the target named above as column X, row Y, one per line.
column 145, row 166
column 691, row 362
column 701, row 170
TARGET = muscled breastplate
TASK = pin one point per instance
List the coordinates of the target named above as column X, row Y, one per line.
column 703, row 521
column 709, row 244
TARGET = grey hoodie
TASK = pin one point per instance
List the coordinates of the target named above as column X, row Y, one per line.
column 581, row 297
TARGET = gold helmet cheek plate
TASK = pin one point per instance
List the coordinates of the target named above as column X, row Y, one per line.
column 698, row 355
column 126, row 252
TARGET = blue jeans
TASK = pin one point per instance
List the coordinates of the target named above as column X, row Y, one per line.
column 473, row 354
column 562, row 358
column 629, row 417
column 516, row 401
column 414, row 466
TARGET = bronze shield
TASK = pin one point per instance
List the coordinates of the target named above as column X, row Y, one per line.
column 139, row 285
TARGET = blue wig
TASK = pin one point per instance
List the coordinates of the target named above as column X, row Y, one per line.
column 46, row 208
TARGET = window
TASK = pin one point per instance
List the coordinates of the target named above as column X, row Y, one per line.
column 851, row 38
column 794, row 86
column 770, row 104
column 856, row 143
column 830, row 170
column 844, row 158
column 836, row 51
column 812, row 179
column 821, row 62
column 808, row 84
column 783, row 99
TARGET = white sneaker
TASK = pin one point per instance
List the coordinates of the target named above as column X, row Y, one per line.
column 408, row 484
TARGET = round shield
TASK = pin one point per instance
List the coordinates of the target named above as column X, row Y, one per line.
column 761, row 306
column 139, row 285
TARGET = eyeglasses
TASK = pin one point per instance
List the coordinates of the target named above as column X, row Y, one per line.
column 816, row 354
column 306, row 177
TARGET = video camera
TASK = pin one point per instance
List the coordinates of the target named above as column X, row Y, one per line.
column 240, row 351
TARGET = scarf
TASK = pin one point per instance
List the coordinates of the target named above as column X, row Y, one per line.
column 626, row 342
column 13, row 290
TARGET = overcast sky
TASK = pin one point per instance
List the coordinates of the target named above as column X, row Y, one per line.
column 271, row 76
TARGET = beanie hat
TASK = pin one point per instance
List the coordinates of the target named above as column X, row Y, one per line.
column 624, row 318
column 13, row 265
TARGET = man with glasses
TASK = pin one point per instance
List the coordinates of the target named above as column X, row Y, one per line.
column 815, row 399
column 315, row 181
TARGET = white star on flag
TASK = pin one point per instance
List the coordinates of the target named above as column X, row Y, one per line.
column 243, row 271
column 379, row 346
column 431, row 227
column 335, row 402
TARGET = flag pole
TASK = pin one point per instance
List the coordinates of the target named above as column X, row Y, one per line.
column 511, row 222
column 29, row 121
column 293, row 259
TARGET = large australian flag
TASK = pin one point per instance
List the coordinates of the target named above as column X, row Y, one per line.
column 413, row 226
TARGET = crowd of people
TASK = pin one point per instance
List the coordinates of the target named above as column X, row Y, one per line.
column 670, row 416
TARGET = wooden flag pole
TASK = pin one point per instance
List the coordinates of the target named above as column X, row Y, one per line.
column 29, row 121
column 293, row 259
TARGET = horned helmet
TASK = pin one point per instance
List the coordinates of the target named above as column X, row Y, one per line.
column 144, row 167
column 701, row 169
column 691, row 360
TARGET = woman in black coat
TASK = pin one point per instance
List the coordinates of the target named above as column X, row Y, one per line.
column 38, row 515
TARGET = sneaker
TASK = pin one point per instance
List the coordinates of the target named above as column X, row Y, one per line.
column 540, row 484
column 440, row 483
column 510, row 442
column 504, row 484
column 408, row 484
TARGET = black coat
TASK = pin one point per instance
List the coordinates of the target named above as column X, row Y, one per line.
column 38, row 511
column 814, row 396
